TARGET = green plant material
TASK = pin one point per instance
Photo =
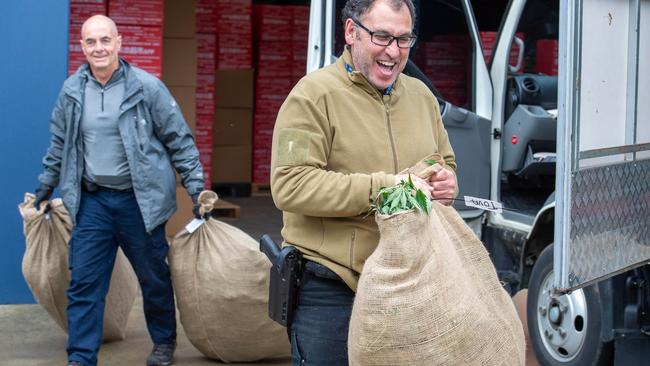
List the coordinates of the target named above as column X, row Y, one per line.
column 403, row 196
column 430, row 161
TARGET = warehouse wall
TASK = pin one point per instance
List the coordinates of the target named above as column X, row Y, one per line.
column 32, row 68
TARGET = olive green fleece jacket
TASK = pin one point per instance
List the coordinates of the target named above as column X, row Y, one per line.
column 337, row 141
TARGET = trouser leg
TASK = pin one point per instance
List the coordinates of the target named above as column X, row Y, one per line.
column 92, row 255
column 147, row 253
column 319, row 331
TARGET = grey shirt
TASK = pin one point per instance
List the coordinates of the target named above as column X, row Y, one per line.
column 105, row 161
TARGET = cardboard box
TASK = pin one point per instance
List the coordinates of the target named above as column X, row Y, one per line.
column 186, row 99
column 183, row 213
column 233, row 88
column 136, row 12
column 235, row 58
column 233, row 126
column 231, row 164
column 80, row 10
column 272, row 22
column 205, row 13
column 206, row 53
column 179, row 62
column 142, row 47
column 300, row 32
column 179, row 19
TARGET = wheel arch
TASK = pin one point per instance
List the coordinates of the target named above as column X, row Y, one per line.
column 541, row 236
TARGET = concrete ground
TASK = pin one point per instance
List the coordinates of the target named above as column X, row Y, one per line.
column 29, row 337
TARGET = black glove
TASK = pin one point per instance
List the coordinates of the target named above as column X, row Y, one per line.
column 196, row 209
column 43, row 193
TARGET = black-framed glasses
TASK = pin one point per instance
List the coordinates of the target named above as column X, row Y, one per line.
column 385, row 39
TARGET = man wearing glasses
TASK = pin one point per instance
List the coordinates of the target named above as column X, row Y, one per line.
column 344, row 132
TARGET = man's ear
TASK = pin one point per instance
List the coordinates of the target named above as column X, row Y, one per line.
column 119, row 42
column 350, row 32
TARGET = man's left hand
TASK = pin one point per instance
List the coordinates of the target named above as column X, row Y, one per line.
column 444, row 186
column 196, row 209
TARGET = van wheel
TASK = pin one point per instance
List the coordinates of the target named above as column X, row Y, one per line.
column 564, row 330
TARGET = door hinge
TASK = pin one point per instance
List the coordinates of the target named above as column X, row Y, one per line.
column 496, row 133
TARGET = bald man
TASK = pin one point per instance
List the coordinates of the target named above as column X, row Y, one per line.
column 117, row 136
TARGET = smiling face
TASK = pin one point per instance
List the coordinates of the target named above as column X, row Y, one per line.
column 100, row 44
column 379, row 64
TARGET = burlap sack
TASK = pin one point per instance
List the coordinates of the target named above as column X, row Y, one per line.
column 45, row 268
column 429, row 295
column 221, row 281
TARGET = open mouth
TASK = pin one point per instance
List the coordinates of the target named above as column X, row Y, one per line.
column 386, row 66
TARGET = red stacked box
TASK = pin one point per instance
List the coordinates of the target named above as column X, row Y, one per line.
column 203, row 138
column 206, row 15
column 488, row 40
column 300, row 32
column 140, row 24
column 75, row 54
column 235, row 35
column 444, row 61
column 206, row 54
column 274, row 60
column 80, row 10
column 546, row 57
column 299, row 37
column 273, row 23
column 205, row 94
column 224, row 32
column 299, row 61
column 137, row 12
column 269, row 96
column 262, row 155
column 272, row 85
column 142, row 47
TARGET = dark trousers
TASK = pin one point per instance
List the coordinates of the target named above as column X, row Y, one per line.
column 319, row 332
column 108, row 220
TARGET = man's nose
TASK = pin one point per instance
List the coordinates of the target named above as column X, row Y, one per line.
column 392, row 50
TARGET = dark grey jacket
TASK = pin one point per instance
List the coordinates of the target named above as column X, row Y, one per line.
column 156, row 139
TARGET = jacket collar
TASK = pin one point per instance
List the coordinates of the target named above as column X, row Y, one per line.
column 345, row 66
column 132, row 83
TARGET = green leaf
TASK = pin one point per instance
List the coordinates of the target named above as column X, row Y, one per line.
column 430, row 161
column 423, row 202
column 413, row 203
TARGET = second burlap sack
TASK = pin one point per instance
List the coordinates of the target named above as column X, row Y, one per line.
column 221, row 281
column 429, row 295
column 45, row 268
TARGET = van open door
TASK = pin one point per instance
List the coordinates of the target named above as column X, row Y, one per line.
column 603, row 170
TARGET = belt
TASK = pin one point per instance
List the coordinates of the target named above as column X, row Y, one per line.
column 93, row 187
column 320, row 270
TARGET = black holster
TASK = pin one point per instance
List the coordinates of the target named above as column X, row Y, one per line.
column 286, row 273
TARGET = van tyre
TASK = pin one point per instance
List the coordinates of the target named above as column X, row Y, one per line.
column 565, row 330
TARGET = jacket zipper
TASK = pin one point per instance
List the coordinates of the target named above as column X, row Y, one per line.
column 102, row 99
column 352, row 241
column 390, row 133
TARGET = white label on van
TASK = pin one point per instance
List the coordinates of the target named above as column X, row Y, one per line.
column 483, row 204
column 193, row 225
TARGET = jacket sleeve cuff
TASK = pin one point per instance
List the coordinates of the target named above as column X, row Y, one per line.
column 378, row 181
column 194, row 189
